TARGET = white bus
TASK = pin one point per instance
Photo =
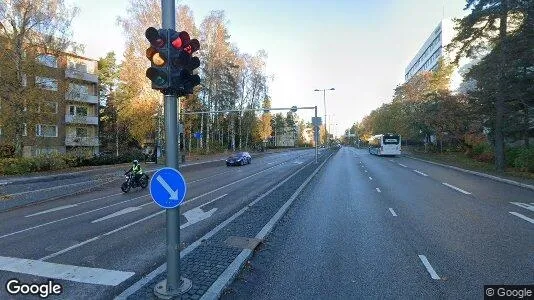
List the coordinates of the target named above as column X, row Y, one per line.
column 385, row 144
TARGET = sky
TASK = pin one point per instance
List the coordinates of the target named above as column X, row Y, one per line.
column 360, row 48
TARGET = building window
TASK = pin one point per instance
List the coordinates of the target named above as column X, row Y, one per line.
column 47, row 60
column 24, row 80
column 77, row 110
column 24, row 129
column 46, row 83
column 78, row 66
column 45, row 151
column 81, row 132
column 46, row 130
column 78, row 90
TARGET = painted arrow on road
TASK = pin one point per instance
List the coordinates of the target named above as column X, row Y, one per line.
column 196, row 215
column 165, row 185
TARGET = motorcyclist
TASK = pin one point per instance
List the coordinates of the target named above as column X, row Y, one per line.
column 136, row 170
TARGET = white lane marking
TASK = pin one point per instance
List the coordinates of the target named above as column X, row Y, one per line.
column 365, row 171
column 173, row 193
column 118, row 213
column 522, row 217
column 52, row 210
column 100, row 235
column 370, row 178
column 70, row 217
column 392, row 212
column 391, row 160
column 420, row 173
column 403, row 165
column 456, row 188
column 428, row 267
column 524, row 205
column 142, row 282
column 378, row 190
column 65, row 272
column 271, row 163
column 220, row 197
column 196, row 215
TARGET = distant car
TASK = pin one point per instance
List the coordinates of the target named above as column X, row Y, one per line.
column 239, row 159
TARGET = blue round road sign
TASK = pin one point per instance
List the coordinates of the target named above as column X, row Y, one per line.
column 168, row 188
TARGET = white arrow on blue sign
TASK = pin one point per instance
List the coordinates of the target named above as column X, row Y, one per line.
column 168, row 188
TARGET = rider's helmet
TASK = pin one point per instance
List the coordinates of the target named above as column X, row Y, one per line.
column 135, row 162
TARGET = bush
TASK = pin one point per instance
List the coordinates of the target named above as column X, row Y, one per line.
column 510, row 155
column 525, row 159
column 485, row 157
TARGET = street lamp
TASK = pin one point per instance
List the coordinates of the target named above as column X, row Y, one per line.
column 324, row 101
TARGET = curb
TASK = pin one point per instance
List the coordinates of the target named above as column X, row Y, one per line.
column 496, row 178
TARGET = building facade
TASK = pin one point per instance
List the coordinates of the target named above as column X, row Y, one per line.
column 69, row 90
column 433, row 49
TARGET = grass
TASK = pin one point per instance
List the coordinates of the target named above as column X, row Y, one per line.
column 459, row 159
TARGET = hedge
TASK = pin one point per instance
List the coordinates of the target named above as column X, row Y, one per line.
column 24, row 165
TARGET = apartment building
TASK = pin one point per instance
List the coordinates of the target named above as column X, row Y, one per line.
column 69, row 90
column 433, row 49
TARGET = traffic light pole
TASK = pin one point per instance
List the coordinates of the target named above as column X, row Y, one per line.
column 173, row 285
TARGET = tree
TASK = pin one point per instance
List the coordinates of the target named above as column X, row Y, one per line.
column 108, row 78
column 266, row 119
column 29, row 29
column 490, row 23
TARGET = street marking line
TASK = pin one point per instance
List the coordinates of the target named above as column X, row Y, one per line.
column 522, row 216
column 428, row 267
column 370, row 178
column 65, row 272
column 52, row 210
column 391, row 160
column 365, row 171
column 392, row 212
column 378, row 190
column 420, row 173
column 456, row 188
column 220, row 197
column 118, row 213
column 403, row 165
column 105, row 180
column 524, row 205
column 143, row 281
column 99, row 236
column 70, row 217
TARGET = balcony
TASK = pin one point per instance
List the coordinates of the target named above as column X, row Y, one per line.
column 89, row 141
column 88, row 120
column 86, row 98
column 80, row 75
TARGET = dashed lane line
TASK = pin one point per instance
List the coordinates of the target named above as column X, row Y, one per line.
column 420, row 173
column 392, row 212
column 428, row 267
column 456, row 188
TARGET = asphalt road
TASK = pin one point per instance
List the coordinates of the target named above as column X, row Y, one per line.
column 393, row 227
column 110, row 240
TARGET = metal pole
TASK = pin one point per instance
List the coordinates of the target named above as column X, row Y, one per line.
column 172, row 286
column 316, row 137
column 325, row 128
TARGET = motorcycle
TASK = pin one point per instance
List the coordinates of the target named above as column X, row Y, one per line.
column 130, row 182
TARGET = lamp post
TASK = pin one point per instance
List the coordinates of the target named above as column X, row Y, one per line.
column 324, row 102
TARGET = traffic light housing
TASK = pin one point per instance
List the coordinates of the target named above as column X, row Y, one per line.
column 172, row 63
column 182, row 63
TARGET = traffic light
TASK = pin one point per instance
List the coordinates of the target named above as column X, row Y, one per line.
column 158, row 53
column 172, row 63
column 182, row 63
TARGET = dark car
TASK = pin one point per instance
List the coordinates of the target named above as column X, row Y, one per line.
column 239, row 159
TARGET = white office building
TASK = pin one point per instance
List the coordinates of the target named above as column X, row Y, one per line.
column 432, row 50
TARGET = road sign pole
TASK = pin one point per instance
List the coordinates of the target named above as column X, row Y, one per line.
column 316, row 134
